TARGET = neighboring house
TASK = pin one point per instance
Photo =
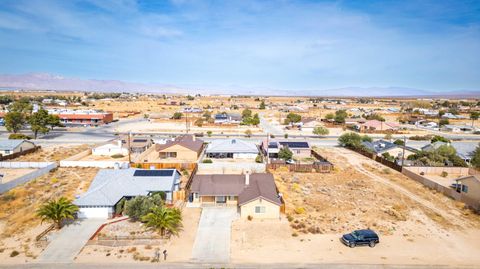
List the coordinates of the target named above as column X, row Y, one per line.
column 468, row 186
column 299, row 149
column 459, row 128
column 227, row 118
column 138, row 144
column 255, row 194
column 350, row 122
column 376, row 125
column 434, row 146
column 305, row 123
column 382, row 146
column 184, row 148
column 8, row 147
column 111, row 148
column 82, row 117
column 231, row 148
column 111, row 185
column 449, row 115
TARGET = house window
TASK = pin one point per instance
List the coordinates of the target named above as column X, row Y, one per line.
column 231, row 198
column 195, row 195
column 464, row 188
column 259, row 209
column 7, row 151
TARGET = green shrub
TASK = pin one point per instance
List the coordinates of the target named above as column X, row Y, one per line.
column 444, row 174
column 14, row 253
column 259, row 159
column 19, row 136
column 207, row 161
column 117, row 156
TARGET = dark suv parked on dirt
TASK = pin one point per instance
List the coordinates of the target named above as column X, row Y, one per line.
column 360, row 237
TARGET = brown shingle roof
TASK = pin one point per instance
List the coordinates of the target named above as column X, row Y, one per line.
column 187, row 141
column 262, row 185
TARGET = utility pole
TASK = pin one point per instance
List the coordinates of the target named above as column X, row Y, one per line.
column 129, row 149
column 404, row 145
column 186, row 122
column 268, row 157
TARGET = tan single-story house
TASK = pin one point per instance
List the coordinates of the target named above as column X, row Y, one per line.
column 12, row 146
column 254, row 194
column 468, row 186
column 185, row 148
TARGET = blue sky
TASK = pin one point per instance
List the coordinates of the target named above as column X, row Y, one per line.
column 295, row 45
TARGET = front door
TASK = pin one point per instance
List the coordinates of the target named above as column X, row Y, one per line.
column 221, row 199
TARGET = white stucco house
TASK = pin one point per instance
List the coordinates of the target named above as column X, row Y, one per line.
column 111, row 185
column 111, row 148
column 231, row 148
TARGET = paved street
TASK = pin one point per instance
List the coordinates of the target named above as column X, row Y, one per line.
column 62, row 249
column 212, row 243
column 239, row 266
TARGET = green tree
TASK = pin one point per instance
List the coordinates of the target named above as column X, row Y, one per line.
column 375, row 116
column 366, row 138
column 248, row 133
column 350, row 140
column 474, row 115
column 439, row 138
column 139, row 206
column 177, row 115
column 54, row 121
column 320, row 130
column 246, row 113
column 399, row 142
column 285, row 153
column 443, row 122
column 14, row 121
column 476, row 157
column 262, row 105
column 340, row 116
column 23, row 106
column 163, row 220
column 39, row 122
column 57, row 211
column 292, row 117
column 330, row 116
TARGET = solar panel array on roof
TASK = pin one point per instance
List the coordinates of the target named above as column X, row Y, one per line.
column 295, row 144
column 153, row 173
column 140, row 140
column 272, row 145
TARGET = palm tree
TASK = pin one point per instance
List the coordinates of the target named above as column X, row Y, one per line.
column 164, row 219
column 57, row 211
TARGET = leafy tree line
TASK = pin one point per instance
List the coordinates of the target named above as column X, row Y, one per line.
column 21, row 113
column 248, row 118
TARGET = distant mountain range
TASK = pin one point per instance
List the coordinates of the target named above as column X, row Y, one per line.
column 45, row 81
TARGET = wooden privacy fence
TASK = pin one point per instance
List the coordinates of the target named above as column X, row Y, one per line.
column 18, row 154
column 379, row 159
column 178, row 166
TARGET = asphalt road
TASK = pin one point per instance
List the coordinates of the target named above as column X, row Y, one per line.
column 216, row 265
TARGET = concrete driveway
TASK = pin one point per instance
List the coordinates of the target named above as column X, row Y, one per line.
column 65, row 245
column 212, row 243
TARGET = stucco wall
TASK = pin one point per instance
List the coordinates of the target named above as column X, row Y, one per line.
column 272, row 210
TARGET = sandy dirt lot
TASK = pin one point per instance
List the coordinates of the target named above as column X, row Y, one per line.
column 19, row 224
column 52, row 153
column 179, row 248
column 11, row 174
column 415, row 224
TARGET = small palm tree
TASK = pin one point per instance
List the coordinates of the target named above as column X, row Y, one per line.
column 164, row 219
column 57, row 211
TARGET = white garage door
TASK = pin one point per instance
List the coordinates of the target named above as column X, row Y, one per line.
column 94, row 212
